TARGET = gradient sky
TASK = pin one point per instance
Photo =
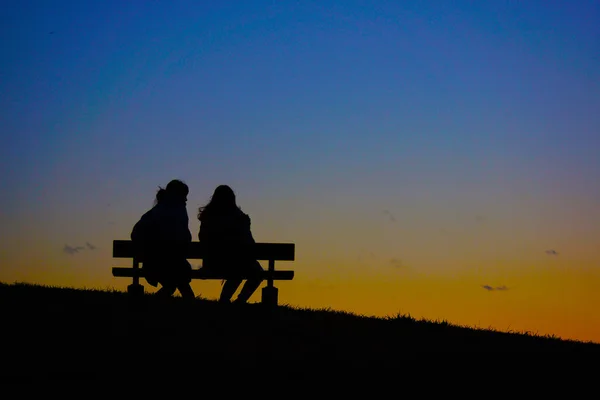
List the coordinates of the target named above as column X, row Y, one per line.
column 431, row 158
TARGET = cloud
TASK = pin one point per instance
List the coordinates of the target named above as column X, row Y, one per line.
column 390, row 215
column 552, row 252
column 68, row 249
column 491, row 288
column 72, row 249
column 396, row 263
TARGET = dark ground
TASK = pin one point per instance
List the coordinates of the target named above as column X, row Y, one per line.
column 63, row 332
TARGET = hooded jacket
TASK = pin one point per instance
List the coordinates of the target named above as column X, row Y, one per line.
column 162, row 235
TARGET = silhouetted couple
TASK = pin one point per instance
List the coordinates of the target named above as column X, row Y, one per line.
column 163, row 236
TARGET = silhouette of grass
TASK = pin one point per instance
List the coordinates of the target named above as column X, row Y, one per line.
column 86, row 330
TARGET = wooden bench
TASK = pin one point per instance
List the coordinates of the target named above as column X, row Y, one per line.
column 270, row 252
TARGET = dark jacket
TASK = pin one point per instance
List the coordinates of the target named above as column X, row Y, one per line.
column 228, row 240
column 162, row 236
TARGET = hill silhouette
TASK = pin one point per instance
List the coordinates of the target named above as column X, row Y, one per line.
column 66, row 331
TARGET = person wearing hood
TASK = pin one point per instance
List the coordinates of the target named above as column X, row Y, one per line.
column 162, row 234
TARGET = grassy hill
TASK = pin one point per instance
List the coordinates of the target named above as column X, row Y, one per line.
column 66, row 331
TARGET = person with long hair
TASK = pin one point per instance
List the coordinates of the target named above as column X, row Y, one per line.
column 163, row 236
column 225, row 230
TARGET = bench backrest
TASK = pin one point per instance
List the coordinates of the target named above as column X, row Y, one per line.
column 263, row 251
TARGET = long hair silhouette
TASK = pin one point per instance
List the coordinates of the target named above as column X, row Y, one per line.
column 222, row 200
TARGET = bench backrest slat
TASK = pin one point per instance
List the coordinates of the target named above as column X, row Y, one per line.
column 263, row 251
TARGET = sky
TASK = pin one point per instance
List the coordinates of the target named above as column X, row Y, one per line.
column 438, row 159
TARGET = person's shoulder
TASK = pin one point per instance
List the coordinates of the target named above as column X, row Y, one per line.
column 205, row 216
column 245, row 218
column 150, row 213
column 240, row 214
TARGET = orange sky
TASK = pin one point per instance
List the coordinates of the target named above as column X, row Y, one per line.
column 372, row 275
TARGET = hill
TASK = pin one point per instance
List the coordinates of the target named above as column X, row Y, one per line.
column 75, row 331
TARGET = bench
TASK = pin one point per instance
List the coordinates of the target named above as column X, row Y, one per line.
column 270, row 252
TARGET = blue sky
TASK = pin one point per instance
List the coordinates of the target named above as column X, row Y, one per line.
column 429, row 79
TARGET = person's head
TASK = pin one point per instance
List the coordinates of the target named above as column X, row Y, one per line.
column 223, row 199
column 175, row 192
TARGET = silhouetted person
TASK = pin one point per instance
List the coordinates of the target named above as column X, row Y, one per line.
column 163, row 236
column 225, row 230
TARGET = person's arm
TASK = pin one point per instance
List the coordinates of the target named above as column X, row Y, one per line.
column 247, row 230
column 202, row 231
column 140, row 232
column 136, row 232
column 182, row 227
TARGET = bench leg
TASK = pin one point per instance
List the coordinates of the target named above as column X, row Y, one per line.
column 269, row 296
column 135, row 289
column 269, row 292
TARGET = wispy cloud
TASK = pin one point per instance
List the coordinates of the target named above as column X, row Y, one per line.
column 397, row 263
column 72, row 249
column 491, row 288
column 390, row 215
column 552, row 252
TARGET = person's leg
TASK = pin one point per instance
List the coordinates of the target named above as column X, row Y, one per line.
column 248, row 290
column 229, row 289
column 164, row 276
column 183, row 277
column 186, row 291
column 251, row 284
column 166, row 290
